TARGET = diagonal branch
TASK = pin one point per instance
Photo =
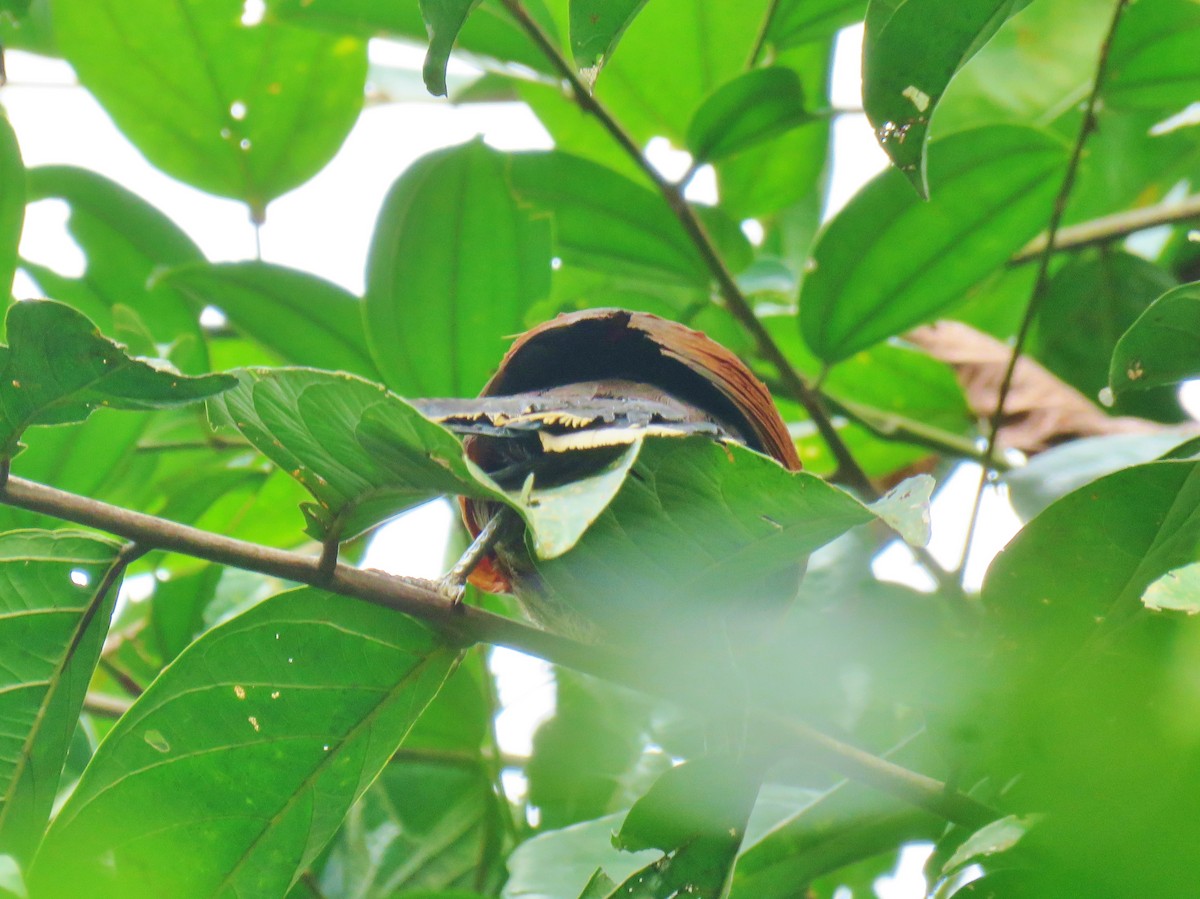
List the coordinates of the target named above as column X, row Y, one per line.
column 1110, row 227
column 849, row 471
column 426, row 601
column 1042, row 279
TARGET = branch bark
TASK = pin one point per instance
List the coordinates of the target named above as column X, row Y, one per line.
column 467, row 625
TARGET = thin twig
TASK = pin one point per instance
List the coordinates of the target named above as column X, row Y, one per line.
column 848, row 471
column 917, row 789
column 423, row 600
column 1042, row 279
column 103, row 706
column 1109, row 228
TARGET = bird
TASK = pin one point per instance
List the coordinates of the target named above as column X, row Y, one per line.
column 568, row 398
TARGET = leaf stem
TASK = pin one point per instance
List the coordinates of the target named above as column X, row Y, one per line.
column 1042, row 279
column 848, row 471
column 422, row 599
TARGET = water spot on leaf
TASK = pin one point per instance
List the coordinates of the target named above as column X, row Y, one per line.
column 155, row 740
column 80, row 578
column 237, row 110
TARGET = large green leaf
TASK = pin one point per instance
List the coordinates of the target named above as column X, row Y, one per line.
column 605, row 221
column 454, row 264
column 434, row 819
column 58, row 595
column 750, row 109
column 58, row 368
column 263, row 733
column 1068, row 594
column 699, row 531
column 307, row 320
column 673, row 55
column 244, row 110
column 126, row 241
column 1082, row 564
column 12, row 205
column 889, row 261
column 597, row 26
column 901, row 88
column 1149, row 65
column 1163, row 345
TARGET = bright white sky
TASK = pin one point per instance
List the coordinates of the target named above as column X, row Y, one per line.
column 324, row 227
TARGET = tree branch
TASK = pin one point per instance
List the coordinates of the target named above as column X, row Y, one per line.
column 1109, row 228
column 424, row 600
column 849, row 471
column 917, row 789
column 1042, row 279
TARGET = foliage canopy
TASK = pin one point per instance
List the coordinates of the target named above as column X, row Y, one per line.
column 269, row 721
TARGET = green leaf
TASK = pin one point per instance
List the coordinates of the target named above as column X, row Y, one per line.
column 59, row 590
column 444, row 19
column 454, row 264
column 364, row 454
column 1083, row 564
column 999, row 836
column 562, row 862
column 433, row 820
column 12, row 205
column 1061, row 469
column 748, row 110
column 246, row 111
column 901, row 88
column 696, row 813
column 607, row 222
column 263, row 733
column 1178, row 589
column 905, row 509
column 1092, row 299
column 1162, row 346
column 58, row 368
column 1149, row 66
column 782, row 182
column 126, row 241
column 889, row 261
column 307, row 320
column 583, row 757
column 810, row 836
column 597, row 26
column 805, row 21
column 490, row 31
column 717, row 534
column 673, row 55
